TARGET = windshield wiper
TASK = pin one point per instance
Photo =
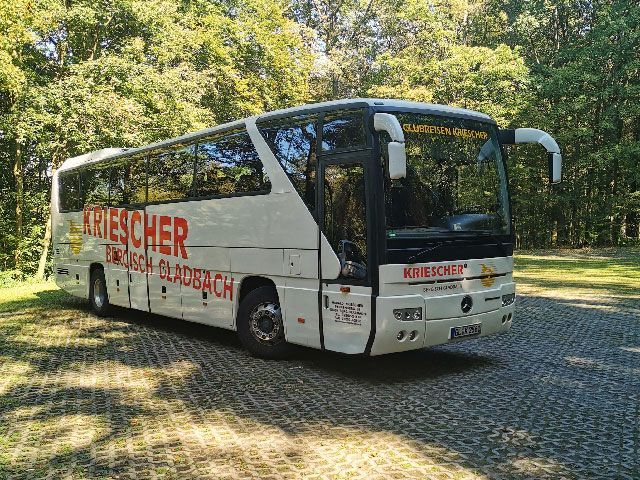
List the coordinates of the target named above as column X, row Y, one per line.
column 412, row 258
column 419, row 227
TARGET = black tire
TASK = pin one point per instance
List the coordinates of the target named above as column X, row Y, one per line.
column 98, row 296
column 259, row 315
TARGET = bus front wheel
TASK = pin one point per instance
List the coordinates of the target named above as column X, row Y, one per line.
column 260, row 325
column 98, row 293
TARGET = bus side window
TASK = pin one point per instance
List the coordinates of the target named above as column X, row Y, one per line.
column 345, row 218
column 343, row 130
column 94, row 183
column 293, row 142
column 70, row 191
column 119, row 172
column 128, row 182
column 170, row 174
column 229, row 165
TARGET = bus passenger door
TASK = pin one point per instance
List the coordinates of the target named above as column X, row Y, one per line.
column 164, row 270
column 138, row 293
column 116, row 257
column 346, row 301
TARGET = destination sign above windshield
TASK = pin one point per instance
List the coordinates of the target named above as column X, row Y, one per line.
column 441, row 130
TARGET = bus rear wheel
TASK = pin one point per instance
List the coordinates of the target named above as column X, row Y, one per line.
column 98, row 296
column 260, row 325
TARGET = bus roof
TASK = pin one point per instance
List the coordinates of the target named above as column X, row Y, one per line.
column 387, row 104
column 433, row 108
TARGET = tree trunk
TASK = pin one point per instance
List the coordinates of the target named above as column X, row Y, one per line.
column 42, row 264
column 17, row 173
column 45, row 248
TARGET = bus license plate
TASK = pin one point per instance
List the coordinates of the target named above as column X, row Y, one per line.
column 465, row 331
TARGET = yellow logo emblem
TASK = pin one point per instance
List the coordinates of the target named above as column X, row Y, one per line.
column 487, row 275
column 75, row 237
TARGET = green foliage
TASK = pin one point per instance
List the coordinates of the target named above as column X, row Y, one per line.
column 493, row 81
column 585, row 67
column 78, row 76
column 82, row 75
column 9, row 278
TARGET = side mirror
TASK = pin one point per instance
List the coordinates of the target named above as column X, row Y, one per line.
column 555, row 167
column 397, row 160
column 385, row 122
column 533, row 135
column 352, row 264
column 348, row 250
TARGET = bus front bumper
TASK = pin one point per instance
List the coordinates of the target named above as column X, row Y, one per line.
column 398, row 335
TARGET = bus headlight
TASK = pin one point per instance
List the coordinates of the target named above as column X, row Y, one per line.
column 508, row 299
column 408, row 313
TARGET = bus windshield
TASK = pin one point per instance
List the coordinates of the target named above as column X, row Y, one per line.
column 456, row 183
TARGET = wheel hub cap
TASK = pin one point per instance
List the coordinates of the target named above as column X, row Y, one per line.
column 266, row 322
column 98, row 293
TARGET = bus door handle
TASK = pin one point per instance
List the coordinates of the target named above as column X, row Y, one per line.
column 326, row 301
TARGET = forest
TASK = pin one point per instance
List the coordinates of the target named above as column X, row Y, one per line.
column 79, row 75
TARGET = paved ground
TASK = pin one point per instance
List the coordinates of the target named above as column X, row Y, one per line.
column 139, row 396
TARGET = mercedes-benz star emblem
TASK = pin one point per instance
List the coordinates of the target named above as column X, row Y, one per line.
column 466, row 304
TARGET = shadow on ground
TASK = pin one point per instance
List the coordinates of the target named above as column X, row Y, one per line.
column 142, row 395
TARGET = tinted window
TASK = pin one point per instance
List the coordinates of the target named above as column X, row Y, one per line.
column 69, row 191
column 343, row 130
column 128, row 182
column 95, row 185
column 293, row 143
column 170, row 174
column 455, row 182
column 229, row 164
column 345, row 221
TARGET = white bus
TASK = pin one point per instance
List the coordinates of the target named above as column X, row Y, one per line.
column 363, row 226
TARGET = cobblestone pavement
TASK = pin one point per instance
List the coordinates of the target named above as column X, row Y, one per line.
column 139, row 396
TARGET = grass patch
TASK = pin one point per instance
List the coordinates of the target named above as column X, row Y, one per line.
column 613, row 272
column 32, row 294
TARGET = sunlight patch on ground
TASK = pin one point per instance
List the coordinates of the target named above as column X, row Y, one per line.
column 233, row 446
column 579, row 273
column 596, row 365
column 133, row 382
column 12, row 373
column 63, row 435
column 535, row 467
column 631, row 349
column 56, row 335
column 27, row 291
